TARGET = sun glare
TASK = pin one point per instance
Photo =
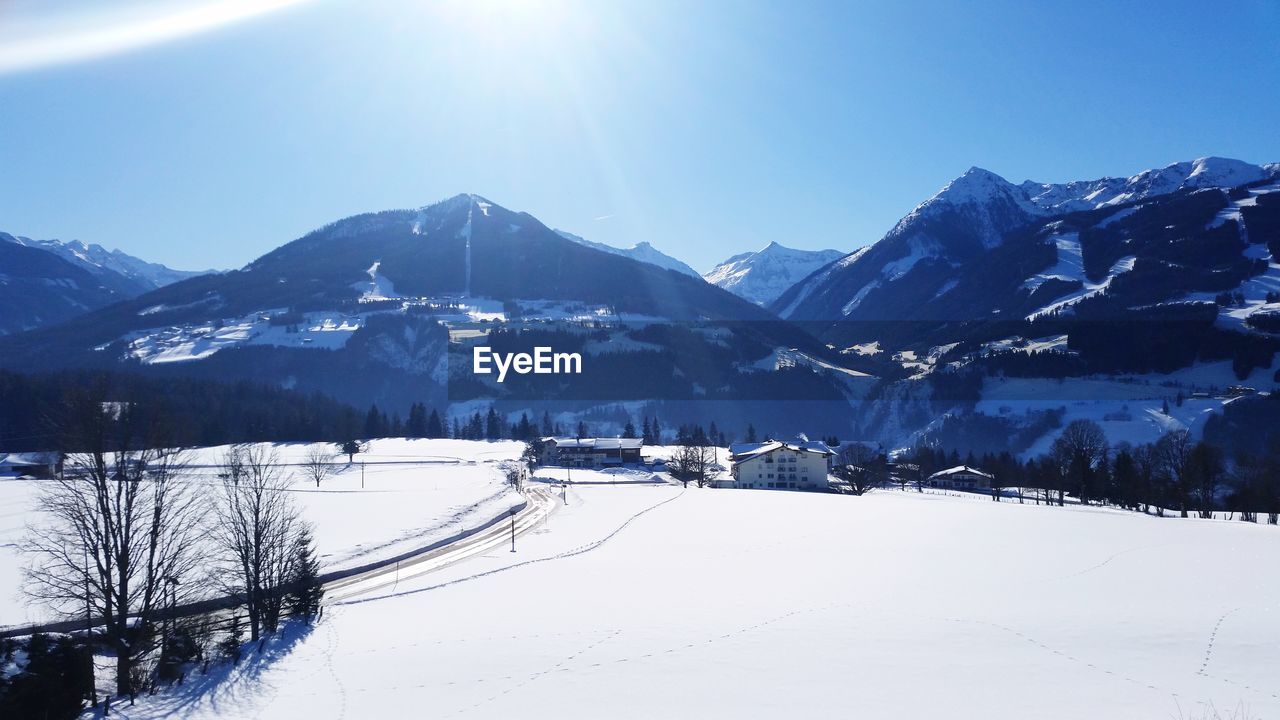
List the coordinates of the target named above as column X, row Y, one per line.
column 27, row 43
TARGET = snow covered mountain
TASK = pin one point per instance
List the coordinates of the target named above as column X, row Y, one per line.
column 385, row 307
column 1013, row 308
column 642, row 251
column 39, row 288
column 980, row 218
column 47, row 281
column 110, row 265
column 763, row 275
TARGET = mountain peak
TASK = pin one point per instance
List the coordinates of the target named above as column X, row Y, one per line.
column 975, row 185
column 1224, row 172
column 763, row 276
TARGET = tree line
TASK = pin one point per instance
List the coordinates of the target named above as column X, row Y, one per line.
column 1174, row 474
column 200, row 412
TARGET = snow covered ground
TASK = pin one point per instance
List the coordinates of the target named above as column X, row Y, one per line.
column 415, row 492
column 1070, row 266
column 643, row 601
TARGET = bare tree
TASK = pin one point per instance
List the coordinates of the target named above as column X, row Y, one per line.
column 1206, row 469
column 257, row 523
column 692, row 462
column 1147, row 467
column 318, row 464
column 1078, row 451
column 118, row 530
column 860, row 466
column 1173, row 451
column 903, row 474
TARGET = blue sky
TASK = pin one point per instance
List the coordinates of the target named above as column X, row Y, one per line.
column 705, row 127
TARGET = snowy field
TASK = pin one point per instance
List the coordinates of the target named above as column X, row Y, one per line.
column 415, row 492
column 645, row 601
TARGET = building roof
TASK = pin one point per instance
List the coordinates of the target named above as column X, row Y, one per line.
column 745, row 451
column 596, row 443
column 26, row 459
column 962, row 469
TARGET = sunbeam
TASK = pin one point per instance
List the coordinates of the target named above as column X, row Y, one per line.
column 30, row 43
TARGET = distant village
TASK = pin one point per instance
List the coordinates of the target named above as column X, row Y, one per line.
column 796, row 464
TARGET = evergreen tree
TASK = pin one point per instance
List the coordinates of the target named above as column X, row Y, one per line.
column 547, row 428
column 582, row 429
column 751, row 433
column 434, row 426
column 305, row 590
column 523, row 429
column 417, row 424
column 646, row 434
column 52, row 683
column 492, row 425
column 373, row 423
column 629, row 430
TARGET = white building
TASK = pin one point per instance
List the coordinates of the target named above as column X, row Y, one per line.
column 776, row 465
column 591, row 452
column 961, row 477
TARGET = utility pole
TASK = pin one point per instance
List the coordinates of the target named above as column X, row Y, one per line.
column 361, row 474
column 513, row 529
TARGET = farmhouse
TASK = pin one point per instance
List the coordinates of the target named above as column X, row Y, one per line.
column 591, row 452
column 38, row 465
column 961, row 477
column 775, row 465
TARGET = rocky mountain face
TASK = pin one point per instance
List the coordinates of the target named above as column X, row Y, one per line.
column 764, row 275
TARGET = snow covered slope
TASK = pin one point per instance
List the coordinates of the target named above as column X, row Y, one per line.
column 642, row 251
column 646, row 602
column 763, row 275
